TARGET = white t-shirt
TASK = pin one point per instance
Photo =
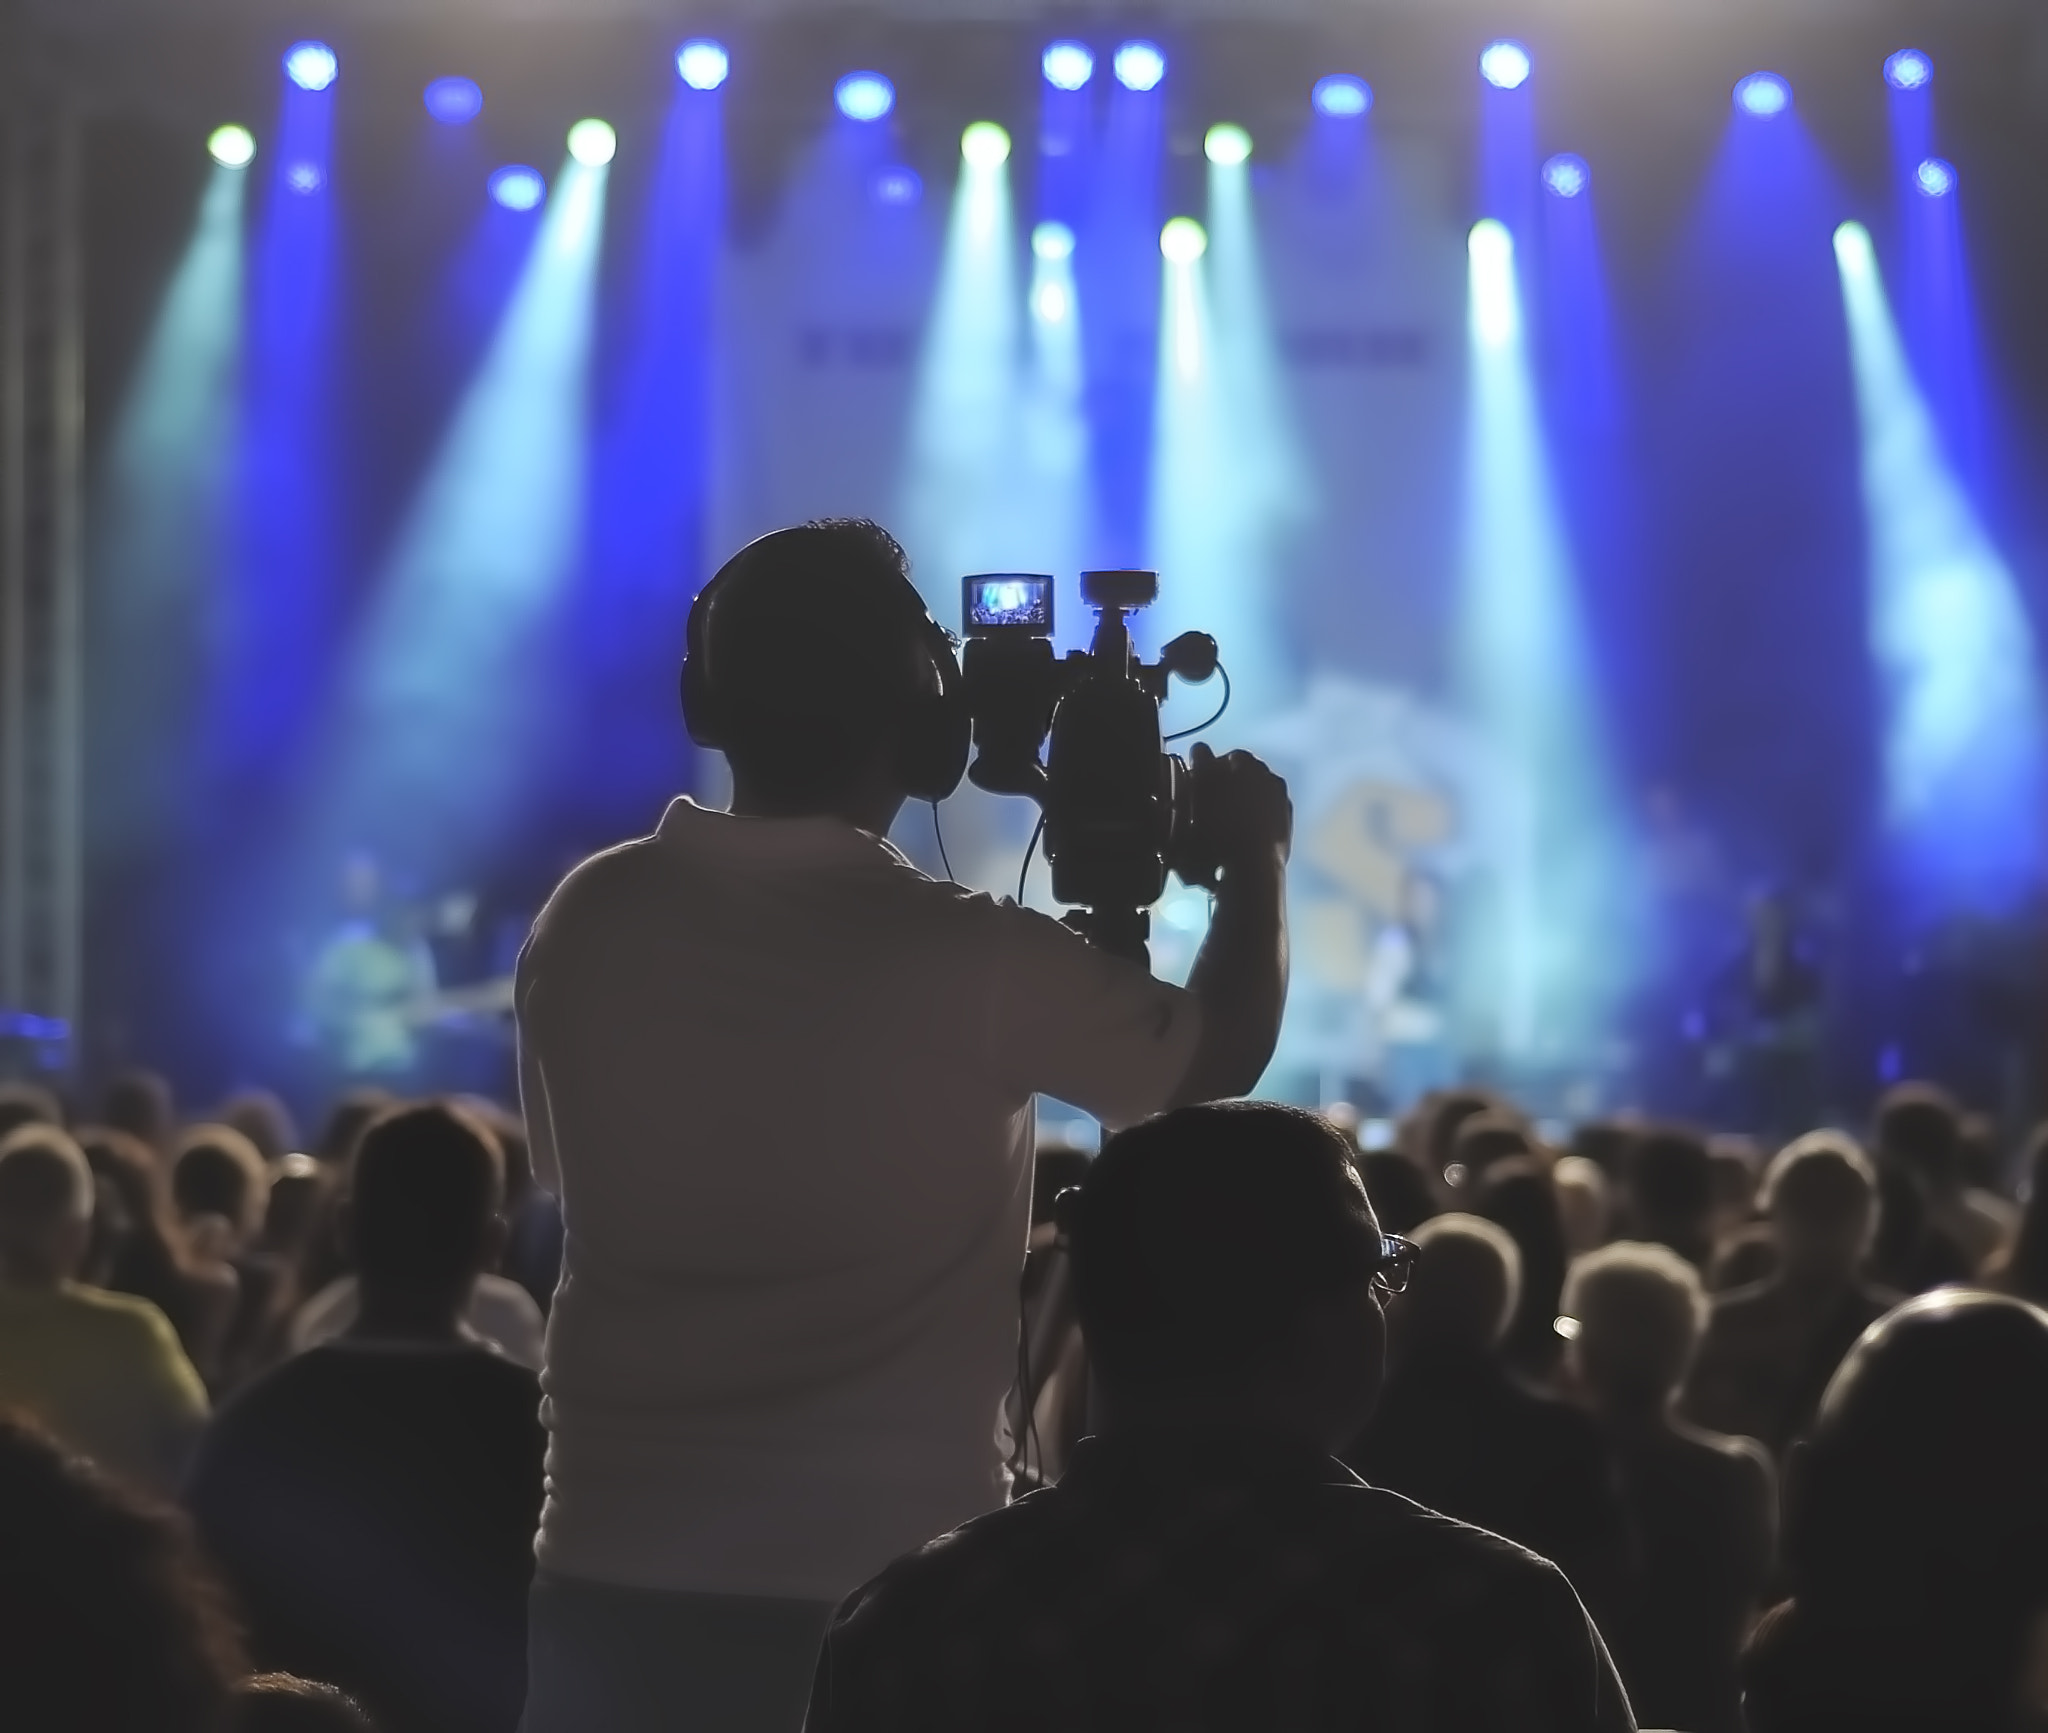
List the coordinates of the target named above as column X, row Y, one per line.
column 781, row 1082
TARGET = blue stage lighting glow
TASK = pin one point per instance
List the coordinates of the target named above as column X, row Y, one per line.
column 1935, row 178
column 1068, row 65
column 897, row 186
column 455, row 101
column 1052, row 241
column 1505, row 64
column 985, row 145
column 1227, row 146
column 232, row 146
column 1183, row 241
column 1140, row 65
column 864, row 95
column 1567, row 175
column 1763, row 94
column 518, row 188
column 1341, row 96
column 703, row 64
column 1909, row 69
column 593, row 143
column 311, row 65
column 304, row 177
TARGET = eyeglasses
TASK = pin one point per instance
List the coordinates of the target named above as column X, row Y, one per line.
column 1395, row 1263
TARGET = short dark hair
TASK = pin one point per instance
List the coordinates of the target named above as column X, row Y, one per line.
column 1920, row 1125
column 810, row 653
column 1200, row 1237
column 426, row 1183
column 110, row 1619
column 281, row 1703
column 218, row 1171
column 28, row 1104
column 1671, row 1176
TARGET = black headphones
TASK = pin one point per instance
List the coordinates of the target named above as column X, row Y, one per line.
column 936, row 730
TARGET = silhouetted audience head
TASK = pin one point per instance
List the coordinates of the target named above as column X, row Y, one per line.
column 110, row 1621
column 140, row 1103
column 1584, row 1201
column 1736, row 1168
column 1916, row 1532
column 1224, row 1257
column 424, row 1201
column 1432, row 1132
column 46, row 1203
column 1517, row 1195
column 1486, row 1138
column 1467, row 1283
column 1920, row 1127
column 1638, row 1312
column 1821, row 1196
column 2025, row 1269
column 219, row 1173
column 1606, row 1143
column 264, row 1120
column 814, row 647
column 28, row 1104
column 1402, row 1196
column 346, row 1122
column 1668, row 1185
column 283, row 1703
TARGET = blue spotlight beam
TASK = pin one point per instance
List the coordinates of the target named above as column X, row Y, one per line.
column 449, row 701
column 1949, row 634
column 1507, row 153
column 1523, row 671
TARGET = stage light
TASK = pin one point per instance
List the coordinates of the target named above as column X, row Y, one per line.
column 1763, row 94
column 232, row 146
column 518, row 188
column 1052, row 302
column 1341, row 97
column 455, row 101
column 311, row 65
column 703, row 64
column 1505, row 64
column 864, row 95
column 1183, row 241
column 1935, row 178
column 1227, row 146
column 1140, row 65
column 304, row 177
column 1496, row 312
column 985, row 145
column 1068, row 65
column 593, row 143
column 897, row 186
column 1567, row 175
column 1909, row 69
column 1052, row 241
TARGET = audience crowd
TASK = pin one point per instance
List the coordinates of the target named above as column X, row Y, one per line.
column 1654, row 1429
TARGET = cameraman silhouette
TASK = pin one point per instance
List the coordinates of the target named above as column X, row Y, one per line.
column 782, row 1082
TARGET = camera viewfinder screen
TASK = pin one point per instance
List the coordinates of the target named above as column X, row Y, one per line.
column 1012, row 599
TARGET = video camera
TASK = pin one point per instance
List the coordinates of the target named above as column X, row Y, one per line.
column 1120, row 811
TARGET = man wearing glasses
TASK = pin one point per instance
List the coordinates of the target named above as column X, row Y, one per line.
column 1206, row 1561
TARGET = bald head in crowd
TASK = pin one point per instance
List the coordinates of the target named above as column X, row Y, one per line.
column 46, row 1202
column 1466, row 1286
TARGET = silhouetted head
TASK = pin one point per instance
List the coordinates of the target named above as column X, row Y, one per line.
column 1920, row 1127
column 218, row 1172
column 424, row 1201
column 2026, row 1268
column 1467, row 1284
column 264, row 1120
column 140, row 1103
column 1638, row 1311
column 346, row 1121
column 1517, row 1195
column 46, row 1204
column 280, row 1703
column 1668, row 1184
column 1493, row 1136
column 110, row 1620
column 1225, row 1260
column 814, row 652
column 1402, row 1196
column 1584, row 1201
column 1916, row 1529
column 1821, row 1196
column 28, row 1104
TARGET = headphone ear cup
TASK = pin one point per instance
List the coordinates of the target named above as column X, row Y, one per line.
column 701, row 718
column 939, row 731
